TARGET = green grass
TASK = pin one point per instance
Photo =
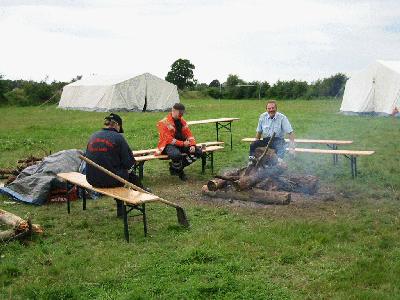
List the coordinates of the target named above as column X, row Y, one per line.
column 342, row 249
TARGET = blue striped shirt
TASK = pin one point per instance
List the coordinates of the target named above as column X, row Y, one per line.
column 279, row 124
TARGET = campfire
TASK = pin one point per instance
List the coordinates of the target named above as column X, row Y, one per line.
column 262, row 181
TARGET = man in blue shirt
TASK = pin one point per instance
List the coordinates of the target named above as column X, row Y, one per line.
column 273, row 121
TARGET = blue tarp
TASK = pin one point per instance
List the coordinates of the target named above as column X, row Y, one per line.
column 35, row 182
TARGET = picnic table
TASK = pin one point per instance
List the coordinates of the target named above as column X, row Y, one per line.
column 220, row 123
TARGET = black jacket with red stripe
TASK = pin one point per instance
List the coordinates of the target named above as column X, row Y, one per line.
column 109, row 149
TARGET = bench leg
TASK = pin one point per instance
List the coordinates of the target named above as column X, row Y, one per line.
column 228, row 128
column 125, row 213
column 203, row 162
column 83, row 198
column 67, row 194
column 353, row 161
column 212, row 162
column 143, row 210
column 125, row 219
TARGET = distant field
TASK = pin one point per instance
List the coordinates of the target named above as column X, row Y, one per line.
column 347, row 248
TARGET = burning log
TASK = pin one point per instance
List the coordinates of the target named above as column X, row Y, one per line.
column 21, row 227
column 216, row 184
column 299, row 184
column 227, row 178
column 221, row 181
column 254, row 195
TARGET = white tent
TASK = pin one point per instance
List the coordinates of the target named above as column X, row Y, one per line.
column 374, row 90
column 143, row 92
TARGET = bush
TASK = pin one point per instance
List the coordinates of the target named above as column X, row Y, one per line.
column 17, row 97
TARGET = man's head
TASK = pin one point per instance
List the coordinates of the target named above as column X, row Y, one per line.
column 178, row 110
column 271, row 108
column 114, row 121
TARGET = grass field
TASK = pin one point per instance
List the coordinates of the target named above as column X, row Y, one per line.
column 348, row 248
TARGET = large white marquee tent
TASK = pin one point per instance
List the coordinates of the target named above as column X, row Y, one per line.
column 374, row 90
column 144, row 92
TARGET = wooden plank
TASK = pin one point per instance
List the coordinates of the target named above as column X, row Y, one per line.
column 212, row 121
column 332, row 142
column 329, row 151
column 152, row 157
column 151, row 151
column 121, row 193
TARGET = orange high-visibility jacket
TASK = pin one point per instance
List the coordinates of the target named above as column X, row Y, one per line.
column 166, row 128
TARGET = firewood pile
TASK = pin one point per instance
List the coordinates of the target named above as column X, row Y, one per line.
column 11, row 174
column 262, row 181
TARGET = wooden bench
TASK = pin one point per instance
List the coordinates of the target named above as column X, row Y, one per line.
column 351, row 155
column 333, row 144
column 141, row 156
column 131, row 198
column 220, row 123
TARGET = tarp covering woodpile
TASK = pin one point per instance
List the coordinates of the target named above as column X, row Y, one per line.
column 134, row 93
column 35, row 182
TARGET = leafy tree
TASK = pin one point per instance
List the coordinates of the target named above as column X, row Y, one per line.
column 3, row 90
column 233, row 80
column 201, row 86
column 181, row 74
column 214, row 83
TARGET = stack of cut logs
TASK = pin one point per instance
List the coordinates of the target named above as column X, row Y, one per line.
column 11, row 174
column 262, row 181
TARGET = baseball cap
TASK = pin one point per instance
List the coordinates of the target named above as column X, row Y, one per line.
column 179, row 106
column 117, row 119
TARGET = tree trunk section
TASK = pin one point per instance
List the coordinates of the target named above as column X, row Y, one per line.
column 253, row 195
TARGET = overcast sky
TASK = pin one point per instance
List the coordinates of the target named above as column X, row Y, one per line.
column 254, row 39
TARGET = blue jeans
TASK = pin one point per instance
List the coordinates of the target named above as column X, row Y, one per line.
column 278, row 144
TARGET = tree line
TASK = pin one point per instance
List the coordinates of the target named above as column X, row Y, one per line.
column 234, row 87
column 27, row 93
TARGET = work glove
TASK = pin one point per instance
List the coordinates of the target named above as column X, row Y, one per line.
column 292, row 145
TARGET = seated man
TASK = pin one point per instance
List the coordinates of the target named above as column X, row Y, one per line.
column 175, row 139
column 109, row 149
column 269, row 122
column 395, row 112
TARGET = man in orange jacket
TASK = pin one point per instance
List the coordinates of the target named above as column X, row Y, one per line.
column 175, row 139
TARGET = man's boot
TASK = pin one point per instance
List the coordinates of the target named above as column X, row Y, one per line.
column 175, row 167
column 119, row 208
column 182, row 176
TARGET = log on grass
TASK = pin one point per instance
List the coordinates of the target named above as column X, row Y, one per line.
column 30, row 159
column 253, row 195
column 20, row 227
column 11, row 179
column 9, row 171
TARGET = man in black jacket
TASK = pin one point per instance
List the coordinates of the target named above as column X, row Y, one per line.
column 109, row 149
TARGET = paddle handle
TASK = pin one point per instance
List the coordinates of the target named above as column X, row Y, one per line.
column 124, row 181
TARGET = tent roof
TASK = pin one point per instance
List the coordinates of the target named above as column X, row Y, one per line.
column 394, row 65
column 104, row 80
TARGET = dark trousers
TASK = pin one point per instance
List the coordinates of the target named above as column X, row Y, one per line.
column 278, row 144
column 175, row 153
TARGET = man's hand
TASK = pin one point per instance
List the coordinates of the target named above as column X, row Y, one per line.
column 192, row 149
column 186, row 144
column 292, row 145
